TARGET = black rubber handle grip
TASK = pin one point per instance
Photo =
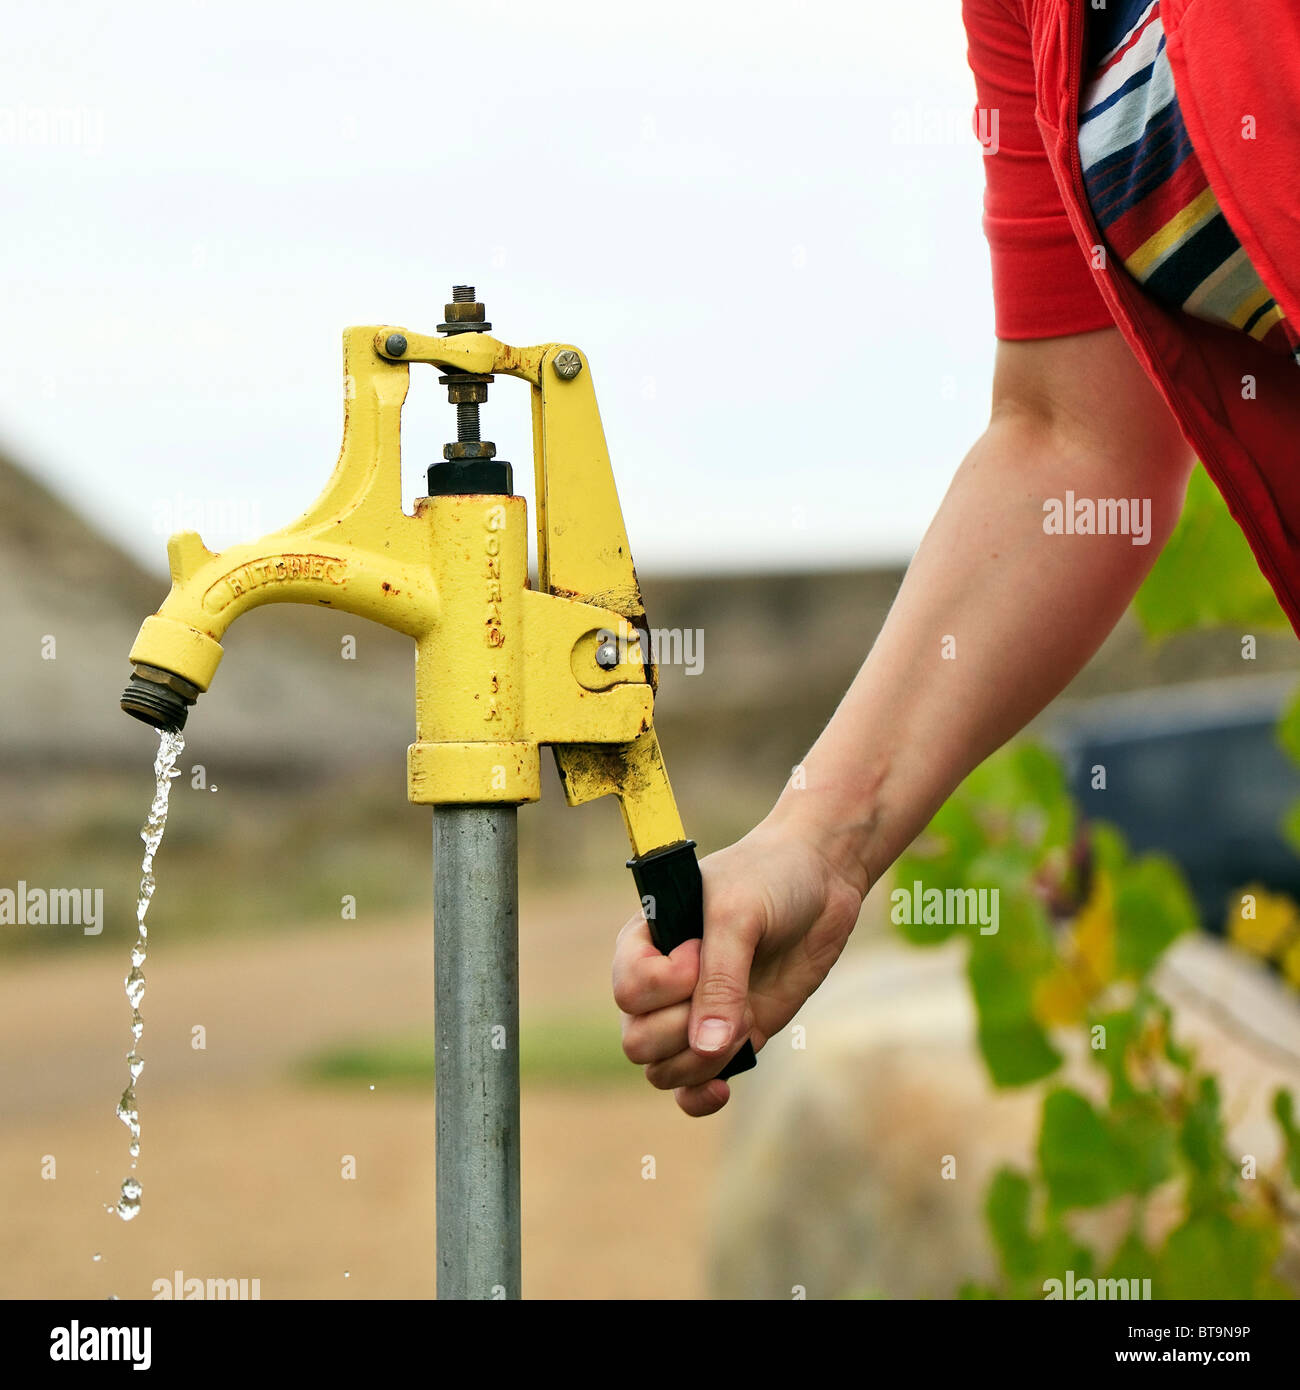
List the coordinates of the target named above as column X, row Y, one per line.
column 672, row 896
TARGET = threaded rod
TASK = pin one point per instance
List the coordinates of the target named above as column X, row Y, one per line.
column 467, row 424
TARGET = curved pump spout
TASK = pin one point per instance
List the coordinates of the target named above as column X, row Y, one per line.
column 354, row 549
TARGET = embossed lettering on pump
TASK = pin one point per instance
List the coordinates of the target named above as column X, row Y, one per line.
column 273, row 569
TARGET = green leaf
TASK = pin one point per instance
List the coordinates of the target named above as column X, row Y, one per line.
column 952, row 842
column 1131, row 1260
column 1202, row 1141
column 1108, row 847
column 1027, row 785
column 1059, row 1251
column 1007, row 1210
column 1121, row 1028
column 903, row 902
column 956, row 825
column 993, row 832
column 1153, row 908
column 1206, row 576
column 1182, row 1056
column 1284, row 1113
column 1291, row 826
column 1080, row 1162
column 1211, row 1255
column 1003, row 970
column 1146, row 1143
column 1288, row 736
column 1016, row 1053
column 1202, row 1138
column 1288, row 728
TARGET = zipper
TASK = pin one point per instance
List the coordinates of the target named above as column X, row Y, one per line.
column 1130, row 297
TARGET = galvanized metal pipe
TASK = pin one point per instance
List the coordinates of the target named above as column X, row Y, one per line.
column 476, row 1019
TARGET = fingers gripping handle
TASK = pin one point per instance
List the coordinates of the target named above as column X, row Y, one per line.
column 672, row 894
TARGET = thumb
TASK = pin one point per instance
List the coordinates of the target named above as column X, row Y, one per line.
column 719, row 1004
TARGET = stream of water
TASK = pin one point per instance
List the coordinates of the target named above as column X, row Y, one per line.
column 170, row 746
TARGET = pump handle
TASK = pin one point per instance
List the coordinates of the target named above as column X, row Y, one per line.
column 672, row 897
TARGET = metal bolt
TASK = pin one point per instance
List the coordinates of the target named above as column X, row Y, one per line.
column 395, row 345
column 466, row 423
column 607, row 654
column 567, row 364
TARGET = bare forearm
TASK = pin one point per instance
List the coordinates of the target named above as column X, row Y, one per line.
column 993, row 619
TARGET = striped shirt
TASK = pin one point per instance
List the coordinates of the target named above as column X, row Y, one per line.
column 1147, row 189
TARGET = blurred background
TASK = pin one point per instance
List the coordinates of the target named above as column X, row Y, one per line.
column 201, row 200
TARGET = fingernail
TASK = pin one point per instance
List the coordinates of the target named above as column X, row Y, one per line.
column 712, row 1035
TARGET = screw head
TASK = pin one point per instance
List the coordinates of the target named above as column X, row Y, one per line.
column 607, row 654
column 395, row 345
column 567, row 364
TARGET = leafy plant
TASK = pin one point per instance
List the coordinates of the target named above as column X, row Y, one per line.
column 1082, row 924
column 1206, row 575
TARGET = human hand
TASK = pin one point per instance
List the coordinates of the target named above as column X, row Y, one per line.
column 777, row 913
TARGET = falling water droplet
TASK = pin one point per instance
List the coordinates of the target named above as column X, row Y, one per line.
column 97, row 1257
column 347, row 1274
column 128, row 1206
column 171, row 743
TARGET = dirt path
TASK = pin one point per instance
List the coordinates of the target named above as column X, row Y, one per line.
column 242, row 1163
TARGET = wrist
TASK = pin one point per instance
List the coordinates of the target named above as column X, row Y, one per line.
column 840, row 825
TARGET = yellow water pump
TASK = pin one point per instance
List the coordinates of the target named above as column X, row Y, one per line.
column 501, row 669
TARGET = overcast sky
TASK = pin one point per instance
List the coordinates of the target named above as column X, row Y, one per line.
column 761, row 221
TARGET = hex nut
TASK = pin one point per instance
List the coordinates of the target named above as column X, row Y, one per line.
column 567, row 364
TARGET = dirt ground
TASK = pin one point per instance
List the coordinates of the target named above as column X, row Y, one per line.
column 242, row 1161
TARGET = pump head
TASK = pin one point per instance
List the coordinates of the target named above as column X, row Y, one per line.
column 504, row 667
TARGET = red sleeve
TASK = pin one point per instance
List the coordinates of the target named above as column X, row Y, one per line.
column 1042, row 283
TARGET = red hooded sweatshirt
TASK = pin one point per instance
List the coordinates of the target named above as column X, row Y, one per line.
column 1236, row 71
